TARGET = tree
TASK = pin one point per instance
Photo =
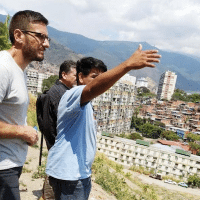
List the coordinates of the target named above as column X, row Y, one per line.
column 156, row 132
column 137, row 111
column 160, row 124
column 193, row 98
column 4, row 35
column 47, row 83
column 179, row 95
column 191, row 137
column 136, row 122
column 135, row 136
column 169, row 135
column 144, row 92
column 194, row 180
column 182, row 96
column 194, row 146
column 147, row 130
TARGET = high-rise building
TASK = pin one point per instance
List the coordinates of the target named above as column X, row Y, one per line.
column 166, row 85
column 114, row 108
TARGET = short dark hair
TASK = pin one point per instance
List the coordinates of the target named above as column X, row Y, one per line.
column 85, row 65
column 22, row 19
column 66, row 66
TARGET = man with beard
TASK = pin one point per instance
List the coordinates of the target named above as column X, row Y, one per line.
column 29, row 38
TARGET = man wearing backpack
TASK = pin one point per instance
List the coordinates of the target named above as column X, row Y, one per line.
column 47, row 108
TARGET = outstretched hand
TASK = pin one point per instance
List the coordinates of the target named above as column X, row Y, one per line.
column 141, row 59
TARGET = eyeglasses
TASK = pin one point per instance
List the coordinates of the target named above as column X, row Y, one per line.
column 41, row 36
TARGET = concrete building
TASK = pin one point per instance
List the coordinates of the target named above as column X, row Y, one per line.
column 35, row 79
column 32, row 80
column 141, row 82
column 162, row 159
column 166, row 85
column 129, row 78
column 114, row 108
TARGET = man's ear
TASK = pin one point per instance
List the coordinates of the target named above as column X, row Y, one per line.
column 19, row 36
column 80, row 78
column 63, row 74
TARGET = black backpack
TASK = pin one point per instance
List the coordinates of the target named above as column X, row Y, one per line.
column 42, row 105
column 42, row 117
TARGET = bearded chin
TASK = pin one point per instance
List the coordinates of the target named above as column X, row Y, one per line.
column 38, row 59
column 30, row 54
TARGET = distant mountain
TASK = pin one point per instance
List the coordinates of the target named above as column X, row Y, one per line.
column 57, row 53
column 2, row 18
column 114, row 52
column 111, row 52
column 66, row 45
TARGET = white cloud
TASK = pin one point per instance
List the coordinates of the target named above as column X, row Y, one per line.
column 167, row 24
column 2, row 11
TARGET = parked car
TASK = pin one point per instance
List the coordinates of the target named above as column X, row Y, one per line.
column 156, row 176
column 170, row 182
column 182, row 184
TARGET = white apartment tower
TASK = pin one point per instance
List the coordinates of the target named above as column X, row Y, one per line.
column 113, row 109
column 166, row 85
column 142, row 82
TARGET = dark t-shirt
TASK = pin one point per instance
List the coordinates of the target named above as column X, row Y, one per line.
column 47, row 109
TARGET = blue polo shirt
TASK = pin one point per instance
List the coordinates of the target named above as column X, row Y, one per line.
column 74, row 150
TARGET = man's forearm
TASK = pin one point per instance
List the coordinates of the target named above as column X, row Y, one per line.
column 103, row 82
column 26, row 133
column 9, row 131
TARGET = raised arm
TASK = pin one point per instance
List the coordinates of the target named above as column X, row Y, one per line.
column 103, row 82
column 26, row 133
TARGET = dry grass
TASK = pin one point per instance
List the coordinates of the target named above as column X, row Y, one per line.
column 142, row 190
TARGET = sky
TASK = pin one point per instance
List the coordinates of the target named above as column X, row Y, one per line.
column 172, row 25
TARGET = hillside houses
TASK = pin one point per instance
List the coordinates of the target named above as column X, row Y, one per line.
column 176, row 115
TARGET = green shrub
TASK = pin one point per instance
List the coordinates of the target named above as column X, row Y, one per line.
column 135, row 136
column 140, row 169
column 40, row 171
column 110, row 181
column 25, row 170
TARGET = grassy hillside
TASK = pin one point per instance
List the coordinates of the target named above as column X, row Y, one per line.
column 125, row 186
